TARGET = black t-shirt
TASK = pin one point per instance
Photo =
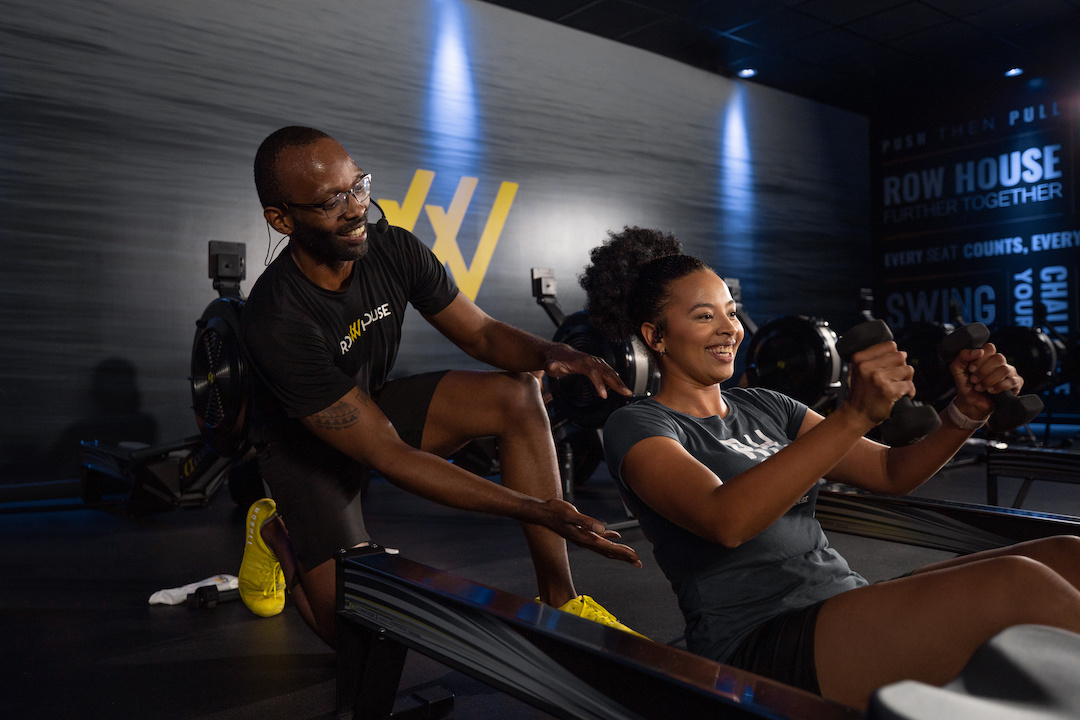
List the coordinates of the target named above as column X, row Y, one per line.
column 309, row 346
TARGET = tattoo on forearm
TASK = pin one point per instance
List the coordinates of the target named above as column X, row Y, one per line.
column 340, row 415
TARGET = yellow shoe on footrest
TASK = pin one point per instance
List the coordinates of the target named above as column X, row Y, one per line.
column 585, row 607
column 261, row 581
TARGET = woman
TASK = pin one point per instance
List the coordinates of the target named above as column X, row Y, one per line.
column 724, row 483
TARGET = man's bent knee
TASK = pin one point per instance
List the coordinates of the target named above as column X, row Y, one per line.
column 469, row 405
column 526, row 387
column 518, row 395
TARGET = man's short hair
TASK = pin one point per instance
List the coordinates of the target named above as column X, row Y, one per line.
column 267, row 182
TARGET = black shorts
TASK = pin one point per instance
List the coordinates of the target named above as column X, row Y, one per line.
column 318, row 489
column 405, row 403
column 783, row 649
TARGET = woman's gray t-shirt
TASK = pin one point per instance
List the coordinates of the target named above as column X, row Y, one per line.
column 725, row 593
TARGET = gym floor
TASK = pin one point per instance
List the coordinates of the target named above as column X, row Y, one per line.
column 81, row 640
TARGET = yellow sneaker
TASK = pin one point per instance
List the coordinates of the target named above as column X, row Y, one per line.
column 261, row 581
column 585, row 607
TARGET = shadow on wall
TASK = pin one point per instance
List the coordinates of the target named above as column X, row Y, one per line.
column 115, row 417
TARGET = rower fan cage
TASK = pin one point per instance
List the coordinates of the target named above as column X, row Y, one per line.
column 575, row 398
column 1032, row 352
column 1070, row 364
column 933, row 380
column 219, row 389
column 795, row 355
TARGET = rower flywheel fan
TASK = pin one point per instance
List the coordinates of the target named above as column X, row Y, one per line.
column 1033, row 353
column 934, row 382
column 574, row 396
column 796, row 355
column 218, row 377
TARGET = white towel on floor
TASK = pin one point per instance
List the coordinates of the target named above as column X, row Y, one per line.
column 175, row 596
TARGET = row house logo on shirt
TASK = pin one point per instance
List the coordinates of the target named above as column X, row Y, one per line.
column 358, row 326
column 755, row 448
column 447, row 221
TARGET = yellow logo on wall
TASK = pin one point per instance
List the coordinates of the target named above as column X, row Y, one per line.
column 447, row 222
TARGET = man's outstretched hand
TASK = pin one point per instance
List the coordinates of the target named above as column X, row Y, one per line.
column 564, row 360
column 563, row 518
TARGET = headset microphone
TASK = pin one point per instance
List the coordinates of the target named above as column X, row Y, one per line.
column 383, row 225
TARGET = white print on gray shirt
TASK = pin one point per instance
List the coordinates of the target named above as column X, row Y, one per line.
column 752, row 448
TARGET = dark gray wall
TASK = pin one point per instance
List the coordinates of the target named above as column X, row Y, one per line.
column 128, row 129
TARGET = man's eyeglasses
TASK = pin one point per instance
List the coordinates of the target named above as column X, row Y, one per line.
column 338, row 205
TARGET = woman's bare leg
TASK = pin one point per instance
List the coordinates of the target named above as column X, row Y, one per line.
column 927, row 626
column 1060, row 553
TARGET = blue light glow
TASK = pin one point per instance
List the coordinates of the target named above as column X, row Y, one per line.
column 736, row 189
column 452, row 118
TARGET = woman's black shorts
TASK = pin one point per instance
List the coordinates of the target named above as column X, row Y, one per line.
column 783, row 649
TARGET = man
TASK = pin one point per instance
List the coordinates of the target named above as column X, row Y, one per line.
column 321, row 328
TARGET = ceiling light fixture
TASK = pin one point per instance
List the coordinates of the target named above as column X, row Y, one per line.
column 1013, row 72
column 747, row 73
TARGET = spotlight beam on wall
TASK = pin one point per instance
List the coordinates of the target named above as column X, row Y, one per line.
column 452, row 121
column 736, row 188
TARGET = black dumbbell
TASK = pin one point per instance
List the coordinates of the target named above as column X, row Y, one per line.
column 908, row 422
column 1010, row 410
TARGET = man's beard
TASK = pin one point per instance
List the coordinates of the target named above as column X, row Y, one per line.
column 326, row 247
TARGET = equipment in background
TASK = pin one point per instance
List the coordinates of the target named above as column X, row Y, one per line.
column 921, row 340
column 934, row 383
column 185, row 473
column 933, row 380
column 1029, row 464
column 1046, row 360
column 1032, row 352
column 189, row 472
column 1042, row 355
column 796, row 355
column 219, row 388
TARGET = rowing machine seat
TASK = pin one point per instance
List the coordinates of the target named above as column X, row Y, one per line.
column 1026, row 672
